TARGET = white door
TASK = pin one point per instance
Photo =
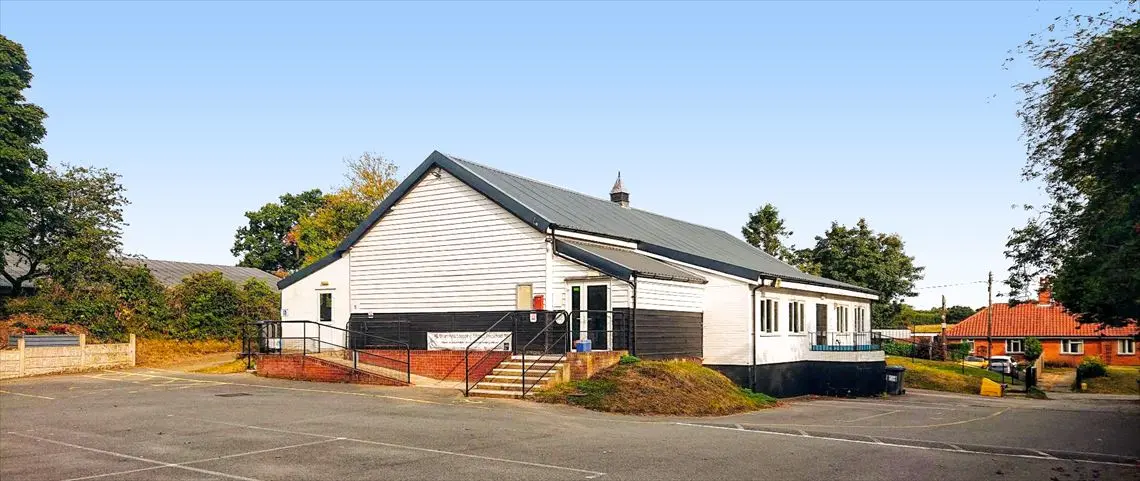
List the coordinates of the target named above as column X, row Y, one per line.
column 590, row 314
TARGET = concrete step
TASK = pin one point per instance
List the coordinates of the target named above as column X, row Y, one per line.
column 498, row 393
column 544, row 357
column 505, row 386
column 516, row 377
column 518, row 372
column 541, row 365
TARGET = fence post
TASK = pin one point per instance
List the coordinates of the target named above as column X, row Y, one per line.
column 20, row 345
column 82, row 350
column 132, row 348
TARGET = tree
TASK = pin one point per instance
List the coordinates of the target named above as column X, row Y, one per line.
column 1031, row 349
column 370, row 179
column 265, row 243
column 1081, row 122
column 873, row 260
column 74, row 226
column 765, row 230
column 956, row 314
column 205, row 305
column 21, row 131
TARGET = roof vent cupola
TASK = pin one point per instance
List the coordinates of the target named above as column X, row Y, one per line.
column 618, row 195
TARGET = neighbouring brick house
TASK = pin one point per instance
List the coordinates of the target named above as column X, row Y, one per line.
column 1063, row 339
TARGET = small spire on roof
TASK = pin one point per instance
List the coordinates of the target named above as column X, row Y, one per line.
column 618, row 194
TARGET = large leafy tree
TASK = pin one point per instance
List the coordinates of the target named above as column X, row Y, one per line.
column 765, row 230
column 956, row 314
column 370, row 179
column 21, row 130
column 860, row 256
column 265, row 242
column 74, row 226
column 1082, row 126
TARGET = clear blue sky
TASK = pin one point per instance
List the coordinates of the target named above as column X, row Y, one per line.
column 901, row 113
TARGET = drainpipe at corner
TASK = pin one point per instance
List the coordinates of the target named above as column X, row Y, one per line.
column 752, row 365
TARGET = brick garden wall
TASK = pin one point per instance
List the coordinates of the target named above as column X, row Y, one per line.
column 446, row 365
column 306, row 368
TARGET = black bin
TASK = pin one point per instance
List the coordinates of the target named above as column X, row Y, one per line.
column 894, row 379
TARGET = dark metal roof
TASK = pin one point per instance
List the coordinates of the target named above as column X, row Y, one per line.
column 623, row 264
column 170, row 273
column 575, row 211
column 543, row 206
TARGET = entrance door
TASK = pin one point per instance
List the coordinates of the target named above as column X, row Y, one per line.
column 590, row 317
column 821, row 324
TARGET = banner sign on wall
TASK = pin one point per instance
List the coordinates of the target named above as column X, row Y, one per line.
column 458, row 341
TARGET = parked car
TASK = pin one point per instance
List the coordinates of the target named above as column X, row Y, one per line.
column 1001, row 364
column 976, row 361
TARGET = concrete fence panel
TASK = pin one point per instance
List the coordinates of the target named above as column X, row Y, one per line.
column 33, row 358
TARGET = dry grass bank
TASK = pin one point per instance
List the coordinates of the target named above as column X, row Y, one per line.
column 168, row 352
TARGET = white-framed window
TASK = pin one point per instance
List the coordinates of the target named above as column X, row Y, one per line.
column 841, row 319
column 861, row 319
column 1072, row 346
column 1126, row 346
column 769, row 316
column 1013, row 346
column 796, row 316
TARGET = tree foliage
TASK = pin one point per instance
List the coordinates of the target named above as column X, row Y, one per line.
column 858, row 255
column 370, row 179
column 1082, row 127
column 265, row 242
column 1031, row 349
column 74, row 226
column 956, row 314
column 21, row 131
column 765, row 230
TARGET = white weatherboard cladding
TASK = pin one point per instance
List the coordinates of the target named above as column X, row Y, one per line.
column 301, row 301
column 727, row 321
column 786, row 346
column 670, row 295
column 445, row 247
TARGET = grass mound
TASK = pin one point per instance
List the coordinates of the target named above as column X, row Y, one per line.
column 169, row 352
column 679, row 388
column 943, row 375
column 1117, row 380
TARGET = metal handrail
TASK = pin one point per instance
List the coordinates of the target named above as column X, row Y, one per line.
column 565, row 335
column 407, row 361
column 467, row 353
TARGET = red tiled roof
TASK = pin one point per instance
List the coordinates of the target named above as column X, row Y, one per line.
column 1030, row 319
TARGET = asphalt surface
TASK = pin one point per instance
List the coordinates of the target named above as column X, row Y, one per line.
column 150, row 424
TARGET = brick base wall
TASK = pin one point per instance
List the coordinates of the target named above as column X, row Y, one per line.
column 305, row 368
column 446, row 365
column 1105, row 349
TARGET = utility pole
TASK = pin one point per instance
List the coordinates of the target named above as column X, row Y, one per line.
column 990, row 315
column 943, row 338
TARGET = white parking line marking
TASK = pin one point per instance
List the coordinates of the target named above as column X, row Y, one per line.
column 590, row 474
column 25, row 395
column 879, row 405
column 1043, row 453
column 196, row 461
column 135, row 458
column 871, row 416
column 907, row 446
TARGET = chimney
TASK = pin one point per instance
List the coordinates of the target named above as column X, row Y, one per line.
column 618, row 195
column 1045, row 292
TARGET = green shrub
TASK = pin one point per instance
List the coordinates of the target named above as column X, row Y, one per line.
column 960, row 350
column 897, row 349
column 1031, row 349
column 1091, row 367
column 205, row 306
column 628, row 359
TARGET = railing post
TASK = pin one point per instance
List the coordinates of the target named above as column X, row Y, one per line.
column 304, row 339
column 466, row 371
column 408, row 361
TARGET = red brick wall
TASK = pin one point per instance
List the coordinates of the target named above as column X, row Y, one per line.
column 446, row 365
column 303, row 368
column 1051, row 352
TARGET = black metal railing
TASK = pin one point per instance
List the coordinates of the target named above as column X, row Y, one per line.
column 270, row 337
column 468, row 366
column 843, row 341
column 560, row 345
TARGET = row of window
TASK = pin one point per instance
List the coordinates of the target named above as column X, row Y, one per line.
column 1072, row 346
column 768, row 317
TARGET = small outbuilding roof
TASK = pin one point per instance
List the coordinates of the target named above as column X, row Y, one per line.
column 623, row 264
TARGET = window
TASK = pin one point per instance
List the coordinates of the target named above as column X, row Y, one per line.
column 1072, row 346
column 796, row 316
column 326, row 307
column 841, row 319
column 861, row 319
column 769, row 316
column 1013, row 346
column 1126, row 346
